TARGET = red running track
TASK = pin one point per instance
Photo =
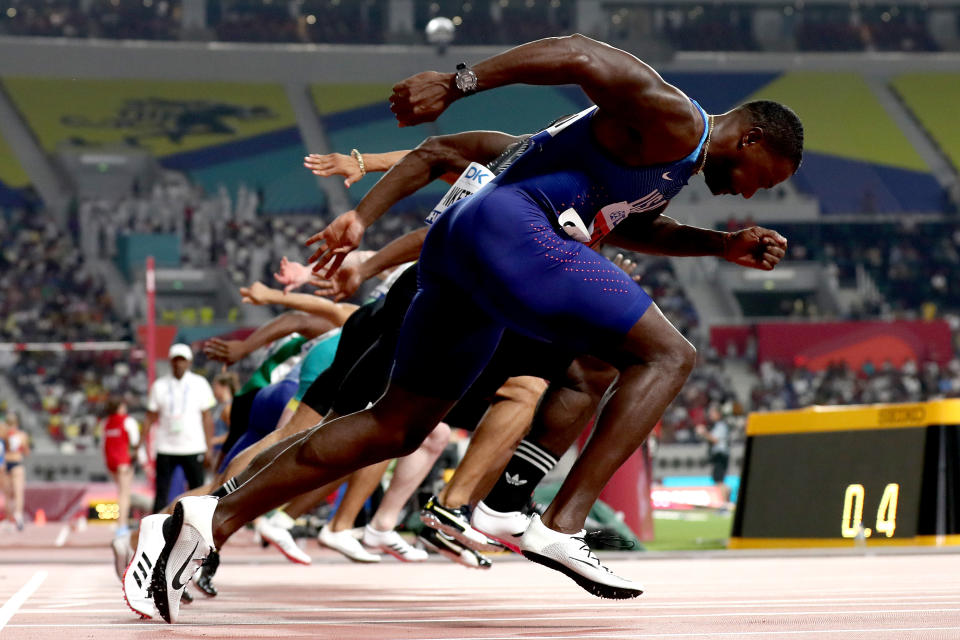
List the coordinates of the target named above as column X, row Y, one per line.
column 50, row 592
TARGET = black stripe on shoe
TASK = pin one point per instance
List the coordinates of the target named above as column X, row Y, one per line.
column 158, row 584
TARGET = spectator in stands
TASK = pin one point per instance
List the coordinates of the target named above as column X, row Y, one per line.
column 717, row 435
column 17, row 450
column 121, row 435
column 180, row 404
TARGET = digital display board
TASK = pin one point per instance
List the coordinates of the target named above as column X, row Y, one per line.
column 828, row 476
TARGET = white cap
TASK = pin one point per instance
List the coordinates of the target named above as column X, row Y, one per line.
column 180, row 350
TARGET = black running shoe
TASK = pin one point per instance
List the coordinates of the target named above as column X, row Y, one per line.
column 456, row 523
column 207, row 571
column 449, row 547
column 186, row 598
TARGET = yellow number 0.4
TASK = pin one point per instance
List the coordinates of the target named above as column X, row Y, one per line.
column 853, row 511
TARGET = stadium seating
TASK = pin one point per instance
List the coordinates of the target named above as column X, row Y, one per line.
column 912, row 264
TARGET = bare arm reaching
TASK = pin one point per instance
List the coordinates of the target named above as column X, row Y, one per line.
column 338, row 164
column 335, row 312
column 433, row 158
column 231, row 351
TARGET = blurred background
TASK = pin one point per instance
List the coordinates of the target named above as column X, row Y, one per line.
column 176, row 129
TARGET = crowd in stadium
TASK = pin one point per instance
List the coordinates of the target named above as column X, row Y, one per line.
column 50, row 292
column 910, row 262
column 779, row 389
column 213, row 230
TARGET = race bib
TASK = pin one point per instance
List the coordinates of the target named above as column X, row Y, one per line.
column 469, row 182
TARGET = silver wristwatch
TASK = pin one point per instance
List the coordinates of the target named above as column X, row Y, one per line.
column 466, row 79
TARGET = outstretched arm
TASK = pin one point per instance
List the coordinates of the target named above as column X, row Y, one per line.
column 755, row 247
column 348, row 166
column 618, row 82
column 433, row 158
column 337, row 313
column 231, row 351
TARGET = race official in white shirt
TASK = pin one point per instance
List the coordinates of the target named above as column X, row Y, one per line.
column 180, row 406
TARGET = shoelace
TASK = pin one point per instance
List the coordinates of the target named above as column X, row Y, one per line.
column 586, row 547
column 602, row 539
column 606, row 540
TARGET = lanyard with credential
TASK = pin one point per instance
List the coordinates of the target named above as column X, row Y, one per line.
column 183, row 406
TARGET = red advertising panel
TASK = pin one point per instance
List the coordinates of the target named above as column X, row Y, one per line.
column 817, row 344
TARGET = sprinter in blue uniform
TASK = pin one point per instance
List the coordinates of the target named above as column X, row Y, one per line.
column 517, row 254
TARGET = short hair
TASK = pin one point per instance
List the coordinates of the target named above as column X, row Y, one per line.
column 782, row 129
column 230, row 380
column 113, row 404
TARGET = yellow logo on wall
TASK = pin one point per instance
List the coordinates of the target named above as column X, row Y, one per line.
column 165, row 117
column 143, row 118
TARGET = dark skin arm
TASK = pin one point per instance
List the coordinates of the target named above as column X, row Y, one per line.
column 432, row 159
column 642, row 119
column 347, row 279
column 756, row 247
column 232, row 351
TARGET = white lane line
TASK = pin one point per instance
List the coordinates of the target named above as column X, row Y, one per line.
column 62, row 536
column 10, row 607
column 266, row 609
column 525, row 635
column 555, row 619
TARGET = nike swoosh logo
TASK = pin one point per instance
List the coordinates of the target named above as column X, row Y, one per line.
column 589, row 564
column 666, row 176
column 176, row 584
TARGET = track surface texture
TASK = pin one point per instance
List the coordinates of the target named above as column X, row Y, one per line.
column 68, row 590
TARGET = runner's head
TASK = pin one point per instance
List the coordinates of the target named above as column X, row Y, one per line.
column 756, row 146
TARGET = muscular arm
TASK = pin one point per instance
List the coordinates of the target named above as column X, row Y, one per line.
column 403, row 249
column 756, row 247
column 664, row 236
column 432, row 159
column 619, row 83
column 231, row 351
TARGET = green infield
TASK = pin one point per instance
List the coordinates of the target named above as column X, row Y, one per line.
column 689, row 530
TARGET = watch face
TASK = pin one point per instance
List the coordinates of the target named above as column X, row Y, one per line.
column 466, row 80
